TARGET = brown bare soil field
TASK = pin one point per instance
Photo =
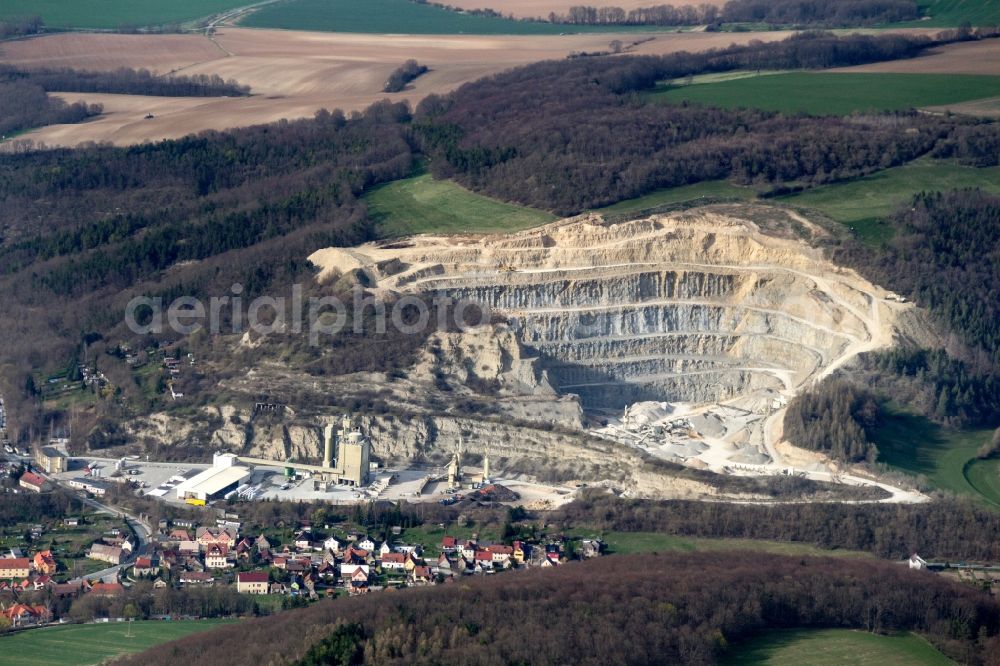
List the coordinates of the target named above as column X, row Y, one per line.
column 980, row 108
column 981, row 57
column 536, row 8
column 293, row 74
column 159, row 53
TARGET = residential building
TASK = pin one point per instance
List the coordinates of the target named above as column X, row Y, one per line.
column 217, row 557
column 209, row 536
column 252, row 582
column 393, row 561
column 146, row 566
column 44, row 562
column 23, row 615
column 15, row 567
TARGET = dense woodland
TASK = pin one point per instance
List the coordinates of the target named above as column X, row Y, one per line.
column 25, row 105
column 944, row 256
column 125, row 81
column 676, row 609
column 575, row 134
column 944, row 530
column 836, row 417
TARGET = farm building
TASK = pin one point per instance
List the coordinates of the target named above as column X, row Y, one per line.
column 32, row 482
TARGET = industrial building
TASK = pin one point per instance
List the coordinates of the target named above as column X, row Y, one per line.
column 91, row 486
column 351, row 465
column 222, row 477
column 51, row 459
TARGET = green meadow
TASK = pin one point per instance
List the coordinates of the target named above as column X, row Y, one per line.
column 833, row 93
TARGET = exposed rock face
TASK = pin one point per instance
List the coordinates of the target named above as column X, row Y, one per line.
column 689, row 308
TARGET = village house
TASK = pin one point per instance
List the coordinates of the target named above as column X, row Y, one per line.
column 42, row 582
column 393, row 561
column 177, row 534
column 106, row 589
column 358, row 582
column 367, row 544
column 210, row 536
column 217, row 557
column 501, row 554
column 146, row 566
column 44, row 562
column 449, row 544
column 332, row 544
column 23, row 615
column 483, row 560
column 421, row 574
column 196, row 578
column 252, row 582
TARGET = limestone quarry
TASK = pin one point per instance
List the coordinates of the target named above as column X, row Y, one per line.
column 683, row 335
column 613, row 346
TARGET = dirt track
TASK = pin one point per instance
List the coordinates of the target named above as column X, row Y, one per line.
column 292, row 74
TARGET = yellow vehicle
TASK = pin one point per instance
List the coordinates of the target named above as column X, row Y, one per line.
column 194, row 501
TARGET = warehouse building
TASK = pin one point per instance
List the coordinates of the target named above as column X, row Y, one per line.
column 223, row 476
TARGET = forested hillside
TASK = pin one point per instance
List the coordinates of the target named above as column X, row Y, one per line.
column 84, row 230
column 575, row 135
column 677, row 609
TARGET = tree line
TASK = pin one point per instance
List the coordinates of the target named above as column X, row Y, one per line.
column 125, row 81
column 799, row 13
column 639, row 609
column 25, row 105
column 21, row 26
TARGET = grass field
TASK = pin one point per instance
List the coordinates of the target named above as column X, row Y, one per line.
column 672, row 195
column 840, row 647
column 113, row 13
column 403, row 17
column 946, row 457
column 863, row 203
column 831, row 93
column 424, row 205
column 78, row 645
column 952, row 13
column 625, row 543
